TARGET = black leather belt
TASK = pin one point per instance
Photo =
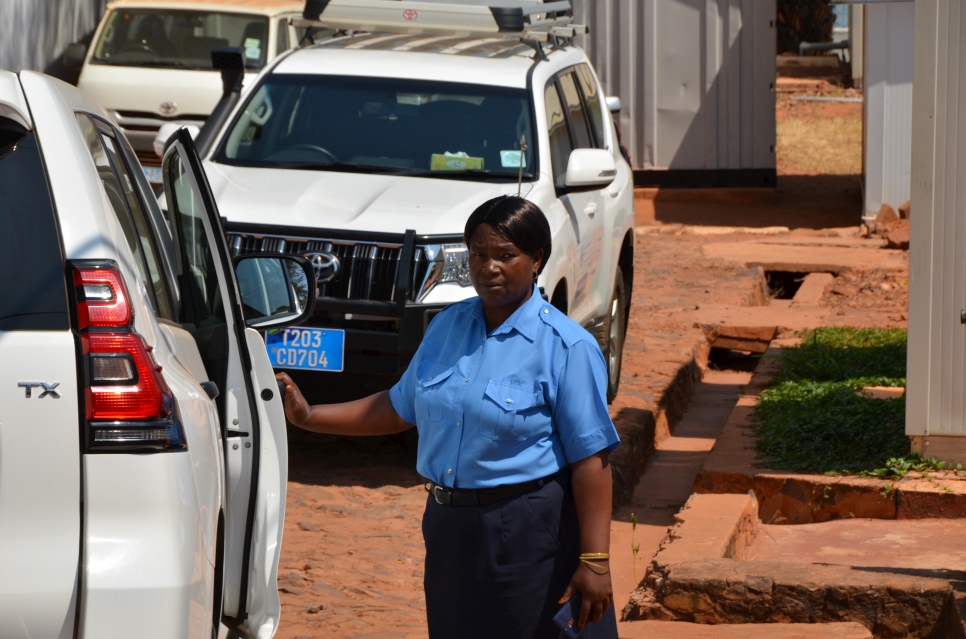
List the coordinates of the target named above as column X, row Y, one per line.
column 462, row 497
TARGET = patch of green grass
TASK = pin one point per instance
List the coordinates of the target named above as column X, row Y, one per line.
column 875, row 356
column 816, row 427
column 812, row 419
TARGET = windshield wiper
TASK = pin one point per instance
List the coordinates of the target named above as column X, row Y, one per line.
column 481, row 175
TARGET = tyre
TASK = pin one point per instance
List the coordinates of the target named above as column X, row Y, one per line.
column 614, row 331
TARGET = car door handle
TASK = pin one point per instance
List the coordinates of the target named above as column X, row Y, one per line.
column 591, row 209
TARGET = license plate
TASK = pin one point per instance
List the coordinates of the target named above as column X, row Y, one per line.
column 153, row 174
column 309, row 349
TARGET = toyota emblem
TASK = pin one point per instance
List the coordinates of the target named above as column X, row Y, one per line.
column 326, row 266
column 168, row 108
column 410, row 15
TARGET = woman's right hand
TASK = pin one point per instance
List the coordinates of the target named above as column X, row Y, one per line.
column 297, row 410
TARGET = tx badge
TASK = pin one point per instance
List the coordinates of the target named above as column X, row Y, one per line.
column 48, row 389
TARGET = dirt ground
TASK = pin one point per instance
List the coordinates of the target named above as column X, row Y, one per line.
column 352, row 553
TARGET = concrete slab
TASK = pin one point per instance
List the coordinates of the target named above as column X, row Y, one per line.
column 752, row 339
column 806, row 259
column 788, row 318
column 930, row 546
column 892, row 604
column 711, row 527
column 848, row 241
column 680, row 629
column 812, row 289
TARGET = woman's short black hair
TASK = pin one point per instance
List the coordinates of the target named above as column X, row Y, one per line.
column 518, row 220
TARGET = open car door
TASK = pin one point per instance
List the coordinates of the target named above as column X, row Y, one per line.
column 249, row 402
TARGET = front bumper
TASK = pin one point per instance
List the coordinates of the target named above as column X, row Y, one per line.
column 378, row 339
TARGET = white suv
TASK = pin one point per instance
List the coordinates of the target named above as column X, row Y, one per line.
column 367, row 151
column 143, row 454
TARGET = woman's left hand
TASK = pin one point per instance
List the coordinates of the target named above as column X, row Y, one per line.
column 596, row 589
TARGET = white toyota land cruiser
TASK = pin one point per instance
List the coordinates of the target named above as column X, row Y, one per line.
column 143, row 455
column 366, row 152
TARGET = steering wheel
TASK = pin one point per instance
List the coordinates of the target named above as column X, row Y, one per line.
column 139, row 47
column 313, row 148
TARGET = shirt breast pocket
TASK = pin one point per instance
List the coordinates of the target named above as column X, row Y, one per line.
column 430, row 391
column 511, row 412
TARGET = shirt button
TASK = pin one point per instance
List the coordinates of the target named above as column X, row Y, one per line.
column 449, row 471
column 509, row 401
column 545, row 311
column 457, row 423
column 430, row 379
column 467, row 379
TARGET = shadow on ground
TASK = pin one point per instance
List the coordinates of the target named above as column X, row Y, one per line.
column 799, row 202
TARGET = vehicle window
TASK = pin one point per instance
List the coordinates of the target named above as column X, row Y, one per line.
column 560, row 144
column 202, row 305
column 281, row 37
column 371, row 125
column 594, row 104
column 115, row 193
column 148, row 245
column 575, row 108
column 33, row 291
column 170, row 38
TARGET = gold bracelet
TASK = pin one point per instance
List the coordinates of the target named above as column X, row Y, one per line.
column 594, row 555
column 594, row 567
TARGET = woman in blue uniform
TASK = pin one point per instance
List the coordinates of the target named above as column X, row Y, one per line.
column 508, row 396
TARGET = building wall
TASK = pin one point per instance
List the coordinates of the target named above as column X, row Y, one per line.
column 36, row 32
column 890, row 32
column 935, row 397
column 696, row 79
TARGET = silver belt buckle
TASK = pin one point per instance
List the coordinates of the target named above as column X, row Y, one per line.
column 442, row 496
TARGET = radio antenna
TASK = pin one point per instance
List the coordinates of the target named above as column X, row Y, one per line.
column 523, row 147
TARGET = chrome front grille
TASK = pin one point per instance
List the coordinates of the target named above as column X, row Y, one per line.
column 368, row 269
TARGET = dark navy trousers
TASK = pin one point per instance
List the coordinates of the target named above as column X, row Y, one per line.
column 497, row 571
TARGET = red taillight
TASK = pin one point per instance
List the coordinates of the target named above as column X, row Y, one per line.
column 128, row 404
column 125, row 384
column 101, row 298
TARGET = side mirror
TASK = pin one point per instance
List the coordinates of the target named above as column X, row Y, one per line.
column 74, row 55
column 589, row 168
column 276, row 290
column 167, row 130
column 613, row 104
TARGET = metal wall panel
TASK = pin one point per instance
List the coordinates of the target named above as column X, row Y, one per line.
column 937, row 256
column 36, row 32
column 696, row 78
column 890, row 32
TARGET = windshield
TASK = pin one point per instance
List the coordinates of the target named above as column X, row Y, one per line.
column 371, row 125
column 179, row 39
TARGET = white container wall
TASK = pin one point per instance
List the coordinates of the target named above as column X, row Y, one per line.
column 935, row 397
column 696, row 79
column 889, row 36
column 36, row 32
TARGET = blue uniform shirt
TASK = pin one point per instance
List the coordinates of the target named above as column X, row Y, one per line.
column 517, row 404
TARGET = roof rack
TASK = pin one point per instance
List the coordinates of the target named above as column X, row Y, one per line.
column 532, row 21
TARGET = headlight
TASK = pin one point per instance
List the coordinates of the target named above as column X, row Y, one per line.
column 456, row 264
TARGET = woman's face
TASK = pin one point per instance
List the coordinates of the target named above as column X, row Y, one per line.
column 502, row 274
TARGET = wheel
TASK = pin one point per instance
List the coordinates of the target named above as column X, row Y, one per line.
column 615, row 330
